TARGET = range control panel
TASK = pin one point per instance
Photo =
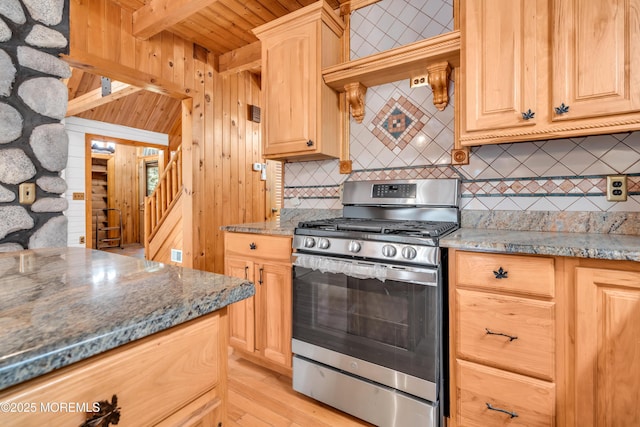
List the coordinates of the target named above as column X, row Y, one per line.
column 397, row 191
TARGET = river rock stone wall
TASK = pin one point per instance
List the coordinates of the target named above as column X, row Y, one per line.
column 33, row 101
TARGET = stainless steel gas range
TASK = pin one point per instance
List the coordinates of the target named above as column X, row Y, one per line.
column 369, row 302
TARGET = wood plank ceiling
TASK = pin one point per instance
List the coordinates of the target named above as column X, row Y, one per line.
column 219, row 26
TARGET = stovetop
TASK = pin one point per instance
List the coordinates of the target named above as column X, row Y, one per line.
column 395, row 221
column 392, row 241
column 382, row 227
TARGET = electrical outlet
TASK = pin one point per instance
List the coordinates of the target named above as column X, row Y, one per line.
column 81, row 240
column 418, row 81
column 257, row 166
column 176, row 256
column 78, row 196
column 27, row 192
column 617, row 188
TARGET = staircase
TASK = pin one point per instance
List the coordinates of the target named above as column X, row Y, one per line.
column 162, row 213
column 109, row 236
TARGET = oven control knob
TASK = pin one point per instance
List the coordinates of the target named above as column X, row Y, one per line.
column 309, row 242
column 354, row 247
column 323, row 244
column 409, row 253
column 389, row 251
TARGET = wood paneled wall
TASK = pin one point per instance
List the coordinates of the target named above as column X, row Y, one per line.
column 125, row 192
column 219, row 144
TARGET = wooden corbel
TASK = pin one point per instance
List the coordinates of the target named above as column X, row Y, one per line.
column 355, row 97
column 438, row 76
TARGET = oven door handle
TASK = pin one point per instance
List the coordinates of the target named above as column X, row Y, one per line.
column 367, row 270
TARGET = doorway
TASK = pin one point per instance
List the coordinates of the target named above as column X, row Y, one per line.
column 119, row 175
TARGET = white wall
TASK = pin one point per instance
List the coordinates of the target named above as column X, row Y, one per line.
column 74, row 174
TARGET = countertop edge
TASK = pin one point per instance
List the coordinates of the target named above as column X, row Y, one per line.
column 48, row 360
column 581, row 245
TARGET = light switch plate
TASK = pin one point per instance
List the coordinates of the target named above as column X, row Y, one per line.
column 27, row 192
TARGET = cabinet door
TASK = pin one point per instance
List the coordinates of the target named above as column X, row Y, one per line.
column 241, row 313
column 274, row 312
column 499, row 42
column 607, row 347
column 596, row 57
column 291, row 69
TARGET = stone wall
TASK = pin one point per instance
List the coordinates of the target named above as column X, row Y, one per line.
column 33, row 141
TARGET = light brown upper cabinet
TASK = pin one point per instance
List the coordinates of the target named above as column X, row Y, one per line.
column 302, row 114
column 546, row 69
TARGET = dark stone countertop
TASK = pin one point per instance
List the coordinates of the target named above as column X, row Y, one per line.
column 276, row 227
column 555, row 243
column 62, row 305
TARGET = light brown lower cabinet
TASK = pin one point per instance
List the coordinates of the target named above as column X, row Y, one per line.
column 260, row 326
column 543, row 341
column 607, row 347
column 173, row 378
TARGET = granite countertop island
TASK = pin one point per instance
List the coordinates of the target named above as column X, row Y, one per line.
column 63, row 305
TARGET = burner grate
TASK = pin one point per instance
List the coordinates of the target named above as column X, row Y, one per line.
column 373, row 226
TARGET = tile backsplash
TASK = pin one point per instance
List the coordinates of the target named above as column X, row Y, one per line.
column 403, row 135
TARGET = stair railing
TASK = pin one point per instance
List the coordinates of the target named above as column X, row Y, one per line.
column 158, row 204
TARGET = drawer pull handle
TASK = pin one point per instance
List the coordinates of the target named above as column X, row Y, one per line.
column 511, row 414
column 108, row 413
column 252, row 246
column 501, row 274
column 511, row 337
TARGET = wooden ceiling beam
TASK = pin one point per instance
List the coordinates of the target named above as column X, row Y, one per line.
column 158, row 15
column 248, row 57
column 95, row 99
column 73, row 82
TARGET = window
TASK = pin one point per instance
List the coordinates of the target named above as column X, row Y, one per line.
column 151, row 172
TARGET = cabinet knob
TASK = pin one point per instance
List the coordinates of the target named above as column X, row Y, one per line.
column 252, row 246
column 107, row 414
column 511, row 337
column 501, row 274
column 504, row 411
column 562, row 109
column 309, row 143
column 528, row 114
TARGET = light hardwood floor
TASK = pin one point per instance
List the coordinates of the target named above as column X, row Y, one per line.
column 260, row 398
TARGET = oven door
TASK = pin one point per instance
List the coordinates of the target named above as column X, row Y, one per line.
column 384, row 318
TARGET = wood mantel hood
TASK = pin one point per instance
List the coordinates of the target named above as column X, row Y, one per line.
column 434, row 57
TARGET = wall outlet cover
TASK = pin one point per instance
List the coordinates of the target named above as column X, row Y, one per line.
column 616, row 188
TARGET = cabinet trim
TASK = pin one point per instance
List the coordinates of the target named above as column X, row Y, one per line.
column 564, row 131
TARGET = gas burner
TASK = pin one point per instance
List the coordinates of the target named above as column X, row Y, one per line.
column 393, row 222
column 372, row 226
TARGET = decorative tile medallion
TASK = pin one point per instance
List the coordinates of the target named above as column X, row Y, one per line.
column 397, row 123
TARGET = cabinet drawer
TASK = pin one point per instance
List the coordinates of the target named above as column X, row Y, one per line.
column 272, row 248
column 525, row 275
column 533, row 401
column 480, row 319
column 152, row 378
